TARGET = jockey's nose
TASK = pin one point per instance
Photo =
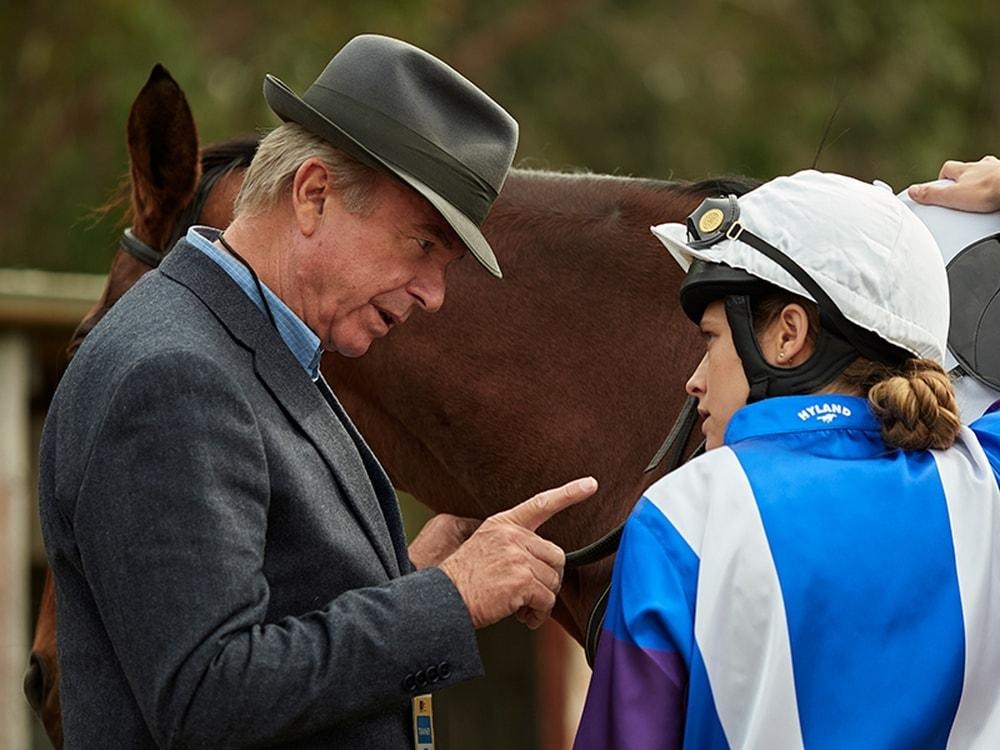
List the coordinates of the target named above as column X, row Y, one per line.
column 695, row 385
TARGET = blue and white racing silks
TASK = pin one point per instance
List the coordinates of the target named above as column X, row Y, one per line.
column 804, row 586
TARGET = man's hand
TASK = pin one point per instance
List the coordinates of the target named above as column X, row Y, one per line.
column 439, row 538
column 505, row 568
column 976, row 186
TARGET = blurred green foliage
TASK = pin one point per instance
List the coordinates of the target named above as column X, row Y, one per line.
column 642, row 87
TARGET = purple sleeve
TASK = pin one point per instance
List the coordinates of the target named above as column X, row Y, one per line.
column 638, row 691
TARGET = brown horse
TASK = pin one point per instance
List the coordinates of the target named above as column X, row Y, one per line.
column 572, row 365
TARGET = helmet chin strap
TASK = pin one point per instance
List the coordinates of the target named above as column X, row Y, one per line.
column 832, row 354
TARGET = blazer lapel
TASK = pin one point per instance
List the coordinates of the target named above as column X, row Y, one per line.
column 327, row 427
column 305, row 405
column 379, row 479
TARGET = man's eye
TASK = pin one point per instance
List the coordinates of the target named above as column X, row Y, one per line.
column 425, row 245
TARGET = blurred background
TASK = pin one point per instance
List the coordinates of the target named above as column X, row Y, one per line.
column 649, row 88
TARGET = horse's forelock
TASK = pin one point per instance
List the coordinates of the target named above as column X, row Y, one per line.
column 725, row 185
column 237, row 152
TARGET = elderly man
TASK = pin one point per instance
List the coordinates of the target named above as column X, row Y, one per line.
column 229, row 556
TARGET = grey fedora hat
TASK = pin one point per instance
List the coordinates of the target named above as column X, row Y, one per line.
column 397, row 108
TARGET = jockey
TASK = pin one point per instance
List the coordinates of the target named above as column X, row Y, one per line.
column 825, row 576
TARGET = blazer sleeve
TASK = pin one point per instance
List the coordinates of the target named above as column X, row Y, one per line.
column 170, row 520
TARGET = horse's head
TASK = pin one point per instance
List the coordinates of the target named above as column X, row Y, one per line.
column 169, row 189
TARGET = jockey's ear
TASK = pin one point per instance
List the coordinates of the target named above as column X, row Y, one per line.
column 786, row 341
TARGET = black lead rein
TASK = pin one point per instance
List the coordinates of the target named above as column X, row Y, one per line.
column 671, row 449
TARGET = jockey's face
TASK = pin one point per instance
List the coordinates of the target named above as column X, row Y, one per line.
column 719, row 383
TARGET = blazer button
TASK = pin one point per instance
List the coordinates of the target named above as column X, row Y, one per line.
column 409, row 683
column 421, row 678
column 432, row 673
column 444, row 670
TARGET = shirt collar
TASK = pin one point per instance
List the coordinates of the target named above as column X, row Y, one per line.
column 785, row 414
column 298, row 337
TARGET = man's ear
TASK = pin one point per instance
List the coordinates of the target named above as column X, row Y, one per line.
column 310, row 191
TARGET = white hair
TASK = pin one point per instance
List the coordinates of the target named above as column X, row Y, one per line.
column 282, row 152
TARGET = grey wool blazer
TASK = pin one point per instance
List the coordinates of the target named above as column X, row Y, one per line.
column 230, row 563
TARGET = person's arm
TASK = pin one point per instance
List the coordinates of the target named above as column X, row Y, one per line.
column 975, row 186
column 170, row 522
column 638, row 690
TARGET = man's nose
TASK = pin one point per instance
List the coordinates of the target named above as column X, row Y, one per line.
column 428, row 288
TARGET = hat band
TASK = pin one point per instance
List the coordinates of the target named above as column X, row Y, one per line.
column 400, row 147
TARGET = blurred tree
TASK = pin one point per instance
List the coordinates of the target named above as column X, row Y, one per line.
column 639, row 87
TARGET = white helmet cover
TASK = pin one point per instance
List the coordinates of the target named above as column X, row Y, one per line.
column 875, row 260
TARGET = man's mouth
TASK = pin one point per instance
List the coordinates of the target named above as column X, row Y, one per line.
column 390, row 320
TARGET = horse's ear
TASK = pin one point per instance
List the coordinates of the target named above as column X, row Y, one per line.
column 163, row 155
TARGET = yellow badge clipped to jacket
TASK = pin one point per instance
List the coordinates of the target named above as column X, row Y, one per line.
column 423, row 723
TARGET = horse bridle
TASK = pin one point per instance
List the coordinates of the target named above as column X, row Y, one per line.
column 140, row 250
column 150, row 255
column 671, row 450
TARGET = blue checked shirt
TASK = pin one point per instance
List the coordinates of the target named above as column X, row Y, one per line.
column 299, row 339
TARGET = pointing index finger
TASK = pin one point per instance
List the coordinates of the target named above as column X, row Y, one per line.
column 536, row 510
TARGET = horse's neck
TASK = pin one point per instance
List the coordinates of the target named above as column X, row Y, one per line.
column 574, row 364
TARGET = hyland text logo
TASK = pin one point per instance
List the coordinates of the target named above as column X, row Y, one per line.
column 825, row 413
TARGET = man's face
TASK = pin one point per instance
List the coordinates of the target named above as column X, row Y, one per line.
column 364, row 274
column 719, row 383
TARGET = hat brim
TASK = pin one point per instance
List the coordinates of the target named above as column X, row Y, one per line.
column 291, row 108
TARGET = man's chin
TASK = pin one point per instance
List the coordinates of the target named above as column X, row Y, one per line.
column 353, row 349
column 354, row 352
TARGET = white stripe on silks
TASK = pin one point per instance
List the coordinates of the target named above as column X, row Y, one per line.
column 974, row 511
column 740, row 623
